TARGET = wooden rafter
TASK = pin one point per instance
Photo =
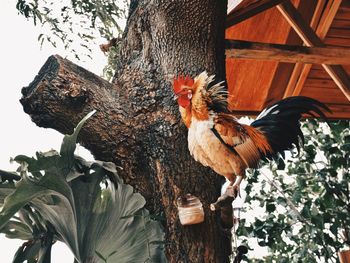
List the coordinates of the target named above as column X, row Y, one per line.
column 249, row 8
column 282, row 74
column 321, row 30
column 287, row 53
column 337, row 73
column 296, row 82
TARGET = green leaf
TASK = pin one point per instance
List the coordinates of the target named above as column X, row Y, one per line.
column 334, row 229
column 9, row 176
column 270, row 208
column 47, row 161
column 28, row 251
column 281, row 165
column 18, row 230
column 297, row 195
column 262, row 243
column 305, row 212
column 334, row 150
column 301, row 182
column 281, row 200
column 69, row 144
column 5, row 190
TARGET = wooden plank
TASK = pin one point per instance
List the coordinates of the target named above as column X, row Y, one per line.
column 343, row 13
column 340, row 77
column 347, row 69
column 317, row 67
column 339, row 33
column 301, row 81
column 325, row 95
column 337, row 42
column 286, row 53
column 339, row 111
column 321, row 83
column 318, row 74
column 339, row 23
column 248, row 87
column 346, row 4
column 310, row 38
column 249, row 8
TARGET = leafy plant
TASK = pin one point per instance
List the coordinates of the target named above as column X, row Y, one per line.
column 59, row 196
column 306, row 199
column 75, row 24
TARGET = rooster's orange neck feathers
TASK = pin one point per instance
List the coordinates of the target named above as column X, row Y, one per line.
column 196, row 106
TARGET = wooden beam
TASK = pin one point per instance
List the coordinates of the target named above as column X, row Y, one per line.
column 283, row 71
column 337, row 73
column 249, row 8
column 327, row 19
column 297, row 22
column 299, row 67
column 287, row 53
column 322, row 30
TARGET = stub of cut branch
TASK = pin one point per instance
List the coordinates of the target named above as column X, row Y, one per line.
column 106, row 47
column 224, row 200
column 224, row 205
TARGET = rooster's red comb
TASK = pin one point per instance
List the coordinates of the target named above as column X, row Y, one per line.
column 182, row 81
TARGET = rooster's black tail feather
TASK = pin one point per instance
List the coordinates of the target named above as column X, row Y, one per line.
column 280, row 122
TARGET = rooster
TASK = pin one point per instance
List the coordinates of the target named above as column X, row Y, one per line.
column 216, row 138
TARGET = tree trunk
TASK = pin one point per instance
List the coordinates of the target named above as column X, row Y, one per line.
column 138, row 125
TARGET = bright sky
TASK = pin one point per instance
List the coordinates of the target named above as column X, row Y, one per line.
column 20, row 60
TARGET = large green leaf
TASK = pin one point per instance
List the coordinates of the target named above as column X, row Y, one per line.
column 115, row 211
column 95, row 214
column 58, row 213
column 86, row 205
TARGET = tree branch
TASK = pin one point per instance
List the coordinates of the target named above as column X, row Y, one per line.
column 63, row 93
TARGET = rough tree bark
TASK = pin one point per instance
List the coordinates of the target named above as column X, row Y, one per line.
column 137, row 125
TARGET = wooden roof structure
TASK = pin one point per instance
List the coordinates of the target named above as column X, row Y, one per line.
column 281, row 48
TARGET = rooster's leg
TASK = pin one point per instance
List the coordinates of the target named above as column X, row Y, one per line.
column 230, row 194
column 234, row 185
column 224, row 202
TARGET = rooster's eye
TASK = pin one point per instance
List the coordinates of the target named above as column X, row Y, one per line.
column 189, row 94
